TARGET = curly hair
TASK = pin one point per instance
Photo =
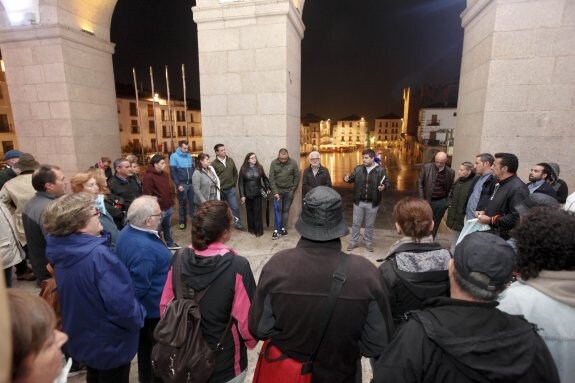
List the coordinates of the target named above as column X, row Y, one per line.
column 545, row 241
column 414, row 216
column 68, row 214
column 210, row 222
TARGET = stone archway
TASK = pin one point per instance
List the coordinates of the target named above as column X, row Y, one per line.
column 516, row 90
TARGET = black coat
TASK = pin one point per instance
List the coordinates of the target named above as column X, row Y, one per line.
column 309, row 181
column 251, row 181
column 461, row 341
column 505, row 196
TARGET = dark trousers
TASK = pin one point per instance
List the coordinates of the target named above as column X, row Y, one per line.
column 438, row 207
column 145, row 374
column 185, row 200
column 254, row 214
column 119, row 374
column 8, row 276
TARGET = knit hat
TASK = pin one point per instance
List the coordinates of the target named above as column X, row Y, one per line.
column 536, row 200
column 321, row 217
column 10, row 154
column 556, row 169
column 485, row 260
column 27, row 162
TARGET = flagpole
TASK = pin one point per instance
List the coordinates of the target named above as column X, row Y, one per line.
column 170, row 111
column 185, row 101
column 138, row 116
column 154, row 110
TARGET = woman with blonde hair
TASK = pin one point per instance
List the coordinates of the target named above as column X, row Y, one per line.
column 100, row 312
column 94, row 184
column 415, row 268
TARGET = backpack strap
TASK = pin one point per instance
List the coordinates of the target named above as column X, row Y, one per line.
column 328, row 308
column 181, row 290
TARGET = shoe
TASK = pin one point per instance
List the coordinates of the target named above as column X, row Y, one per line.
column 369, row 248
column 276, row 235
column 174, row 246
column 27, row 276
column 240, row 227
column 350, row 247
column 182, row 226
column 283, row 231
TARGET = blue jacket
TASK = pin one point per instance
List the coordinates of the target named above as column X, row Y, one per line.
column 100, row 312
column 148, row 261
column 181, row 168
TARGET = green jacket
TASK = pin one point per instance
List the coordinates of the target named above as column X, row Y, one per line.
column 284, row 178
column 228, row 174
column 457, row 202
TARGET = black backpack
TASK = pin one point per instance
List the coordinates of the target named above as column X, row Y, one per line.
column 181, row 353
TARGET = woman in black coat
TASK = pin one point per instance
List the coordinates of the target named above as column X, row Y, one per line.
column 251, row 183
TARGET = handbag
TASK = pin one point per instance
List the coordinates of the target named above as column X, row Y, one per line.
column 275, row 366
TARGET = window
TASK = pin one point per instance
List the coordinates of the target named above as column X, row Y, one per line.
column 7, row 145
column 154, row 145
column 4, row 125
column 386, row 124
column 150, row 110
column 164, row 115
column 151, row 127
column 133, row 109
column 165, row 131
column 135, row 129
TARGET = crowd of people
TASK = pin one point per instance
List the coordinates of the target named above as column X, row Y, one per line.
column 478, row 311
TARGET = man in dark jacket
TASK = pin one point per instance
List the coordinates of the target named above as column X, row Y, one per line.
column 50, row 183
column 315, row 174
column 157, row 184
column 434, row 185
column 295, row 282
column 370, row 181
column 465, row 338
column 123, row 185
column 284, row 179
column 227, row 172
column 540, row 178
column 500, row 212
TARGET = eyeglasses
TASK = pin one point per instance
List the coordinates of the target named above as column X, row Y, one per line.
column 157, row 215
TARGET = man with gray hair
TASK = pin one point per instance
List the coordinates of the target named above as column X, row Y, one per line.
column 315, row 174
column 465, row 337
column 147, row 258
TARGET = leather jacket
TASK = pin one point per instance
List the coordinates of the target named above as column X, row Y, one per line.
column 251, row 181
column 426, row 180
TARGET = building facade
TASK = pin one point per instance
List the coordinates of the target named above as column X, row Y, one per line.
column 7, row 133
column 351, row 132
column 387, row 131
column 155, row 130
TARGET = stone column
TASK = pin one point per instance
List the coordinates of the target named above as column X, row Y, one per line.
column 250, row 71
column 61, row 85
column 517, row 86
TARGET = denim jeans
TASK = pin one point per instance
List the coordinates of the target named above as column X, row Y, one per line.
column 185, row 198
column 284, row 203
column 232, row 201
column 166, row 225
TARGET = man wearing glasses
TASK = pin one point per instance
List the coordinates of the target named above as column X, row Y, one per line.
column 181, row 169
column 315, row 174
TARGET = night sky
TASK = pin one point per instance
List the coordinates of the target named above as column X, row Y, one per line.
column 357, row 56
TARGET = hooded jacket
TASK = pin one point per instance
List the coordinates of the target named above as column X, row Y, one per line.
column 460, row 341
column 100, row 312
column 181, row 168
column 157, row 184
column 414, row 272
column 231, row 289
column 549, row 302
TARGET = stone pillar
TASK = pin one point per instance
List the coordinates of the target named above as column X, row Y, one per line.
column 517, row 85
column 61, row 85
column 250, row 71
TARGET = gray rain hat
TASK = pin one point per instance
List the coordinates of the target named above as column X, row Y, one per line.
column 321, row 217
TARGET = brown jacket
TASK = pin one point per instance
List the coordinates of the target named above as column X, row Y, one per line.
column 426, row 180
